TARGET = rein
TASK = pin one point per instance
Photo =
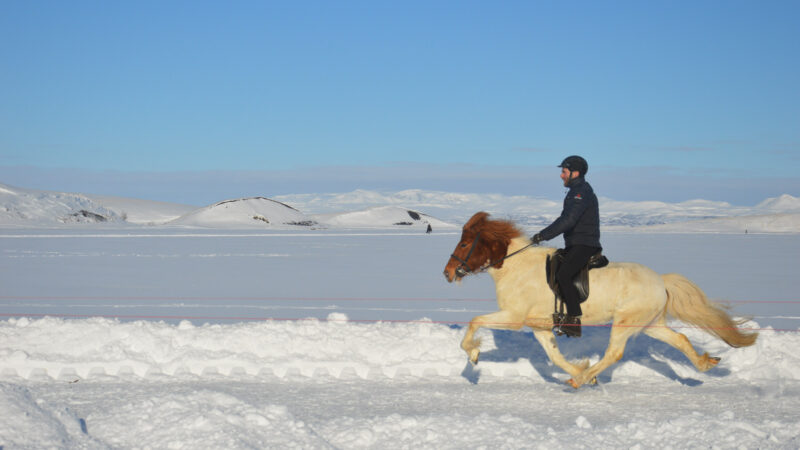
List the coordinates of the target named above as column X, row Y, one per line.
column 464, row 270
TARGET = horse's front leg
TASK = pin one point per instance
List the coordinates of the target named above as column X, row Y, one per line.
column 548, row 343
column 616, row 348
column 500, row 320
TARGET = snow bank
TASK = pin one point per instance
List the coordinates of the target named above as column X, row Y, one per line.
column 85, row 348
column 98, row 347
column 99, row 383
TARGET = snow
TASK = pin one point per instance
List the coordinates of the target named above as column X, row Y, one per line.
column 129, row 336
column 256, row 212
column 97, row 383
column 369, row 209
column 143, row 212
column 34, row 208
column 783, row 203
column 382, row 216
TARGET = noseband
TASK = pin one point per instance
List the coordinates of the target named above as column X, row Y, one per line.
column 464, row 270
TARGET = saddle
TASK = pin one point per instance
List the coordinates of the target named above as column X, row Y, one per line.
column 581, row 280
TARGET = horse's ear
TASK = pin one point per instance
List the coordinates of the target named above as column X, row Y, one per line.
column 478, row 219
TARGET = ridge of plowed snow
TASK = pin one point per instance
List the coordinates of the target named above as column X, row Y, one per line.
column 337, row 348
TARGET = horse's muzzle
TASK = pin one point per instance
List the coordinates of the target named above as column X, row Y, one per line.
column 456, row 274
column 447, row 276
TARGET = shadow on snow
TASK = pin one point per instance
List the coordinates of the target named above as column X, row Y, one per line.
column 512, row 346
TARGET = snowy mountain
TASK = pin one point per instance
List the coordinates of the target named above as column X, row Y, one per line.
column 765, row 223
column 30, row 207
column 774, row 215
column 784, row 203
column 381, row 216
column 371, row 209
column 258, row 212
column 451, row 207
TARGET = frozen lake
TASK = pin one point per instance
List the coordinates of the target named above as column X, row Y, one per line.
column 227, row 276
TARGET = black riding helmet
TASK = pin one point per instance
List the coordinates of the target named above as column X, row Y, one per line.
column 575, row 163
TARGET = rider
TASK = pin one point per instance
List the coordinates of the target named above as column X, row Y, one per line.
column 580, row 224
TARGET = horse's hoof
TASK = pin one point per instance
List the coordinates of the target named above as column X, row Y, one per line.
column 573, row 383
column 594, row 381
column 473, row 358
column 708, row 363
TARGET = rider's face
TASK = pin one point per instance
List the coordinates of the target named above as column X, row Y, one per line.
column 566, row 175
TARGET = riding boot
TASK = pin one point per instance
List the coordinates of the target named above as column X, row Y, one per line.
column 571, row 326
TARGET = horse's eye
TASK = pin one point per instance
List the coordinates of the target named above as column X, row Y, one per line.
column 464, row 245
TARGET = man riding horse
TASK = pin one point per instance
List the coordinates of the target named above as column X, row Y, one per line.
column 580, row 223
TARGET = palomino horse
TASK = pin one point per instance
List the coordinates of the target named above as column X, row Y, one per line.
column 635, row 298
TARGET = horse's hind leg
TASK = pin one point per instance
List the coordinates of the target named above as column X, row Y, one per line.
column 661, row 332
column 500, row 320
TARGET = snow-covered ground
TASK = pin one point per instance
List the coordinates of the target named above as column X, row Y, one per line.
column 176, row 337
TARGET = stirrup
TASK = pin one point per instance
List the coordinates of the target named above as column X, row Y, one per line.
column 558, row 319
column 569, row 325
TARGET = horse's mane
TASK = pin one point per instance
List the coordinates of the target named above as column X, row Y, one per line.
column 496, row 235
column 504, row 230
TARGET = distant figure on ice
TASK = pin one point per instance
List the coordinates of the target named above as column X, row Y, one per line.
column 429, row 229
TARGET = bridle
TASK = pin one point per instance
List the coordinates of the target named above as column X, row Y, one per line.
column 464, row 270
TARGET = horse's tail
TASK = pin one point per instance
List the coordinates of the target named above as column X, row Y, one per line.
column 687, row 303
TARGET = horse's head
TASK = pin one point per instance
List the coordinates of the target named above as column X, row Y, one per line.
column 483, row 243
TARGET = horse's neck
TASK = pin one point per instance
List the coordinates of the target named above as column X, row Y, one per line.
column 517, row 244
column 521, row 284
column 526, row 259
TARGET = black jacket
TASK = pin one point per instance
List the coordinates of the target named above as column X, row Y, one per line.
column 580, row 219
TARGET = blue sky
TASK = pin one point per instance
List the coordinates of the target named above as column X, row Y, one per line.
column 667, row 100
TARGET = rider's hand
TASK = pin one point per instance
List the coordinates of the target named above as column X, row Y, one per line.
column 537, row 238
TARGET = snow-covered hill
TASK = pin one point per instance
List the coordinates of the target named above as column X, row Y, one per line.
column 143, row 212
column 20, row 206
column 370, row 209
column 784, row 203
column 382, row 216
column 774, row 215
column 30, row 207
column 254, row 212
column 764, row 223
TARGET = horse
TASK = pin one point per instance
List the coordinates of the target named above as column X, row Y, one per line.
column 631, row 296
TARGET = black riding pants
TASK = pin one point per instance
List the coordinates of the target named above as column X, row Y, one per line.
column 576, row 258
